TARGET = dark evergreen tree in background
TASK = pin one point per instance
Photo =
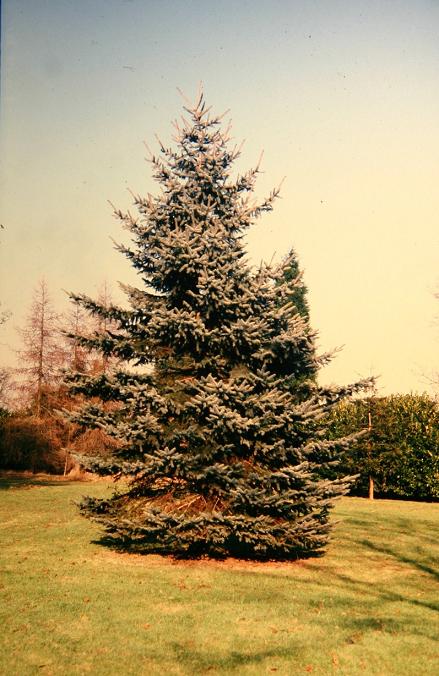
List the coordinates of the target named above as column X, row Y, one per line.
column 297, row 295
column 291, row 273
column 221, row 453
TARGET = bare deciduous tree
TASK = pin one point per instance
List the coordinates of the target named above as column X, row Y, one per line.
column 5, row 375
column 41, row 355
column 76, row 322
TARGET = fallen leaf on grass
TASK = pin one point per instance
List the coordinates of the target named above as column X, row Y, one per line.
column 354, row 638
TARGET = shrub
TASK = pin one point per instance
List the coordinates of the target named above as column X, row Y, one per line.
column 401, row 449
column 27, row 443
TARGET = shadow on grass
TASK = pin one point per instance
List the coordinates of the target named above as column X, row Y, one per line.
column 143, row 548
column 191, row 658
column 19, row 481
column 422, row 565
column 383, row 593
column 394, row 606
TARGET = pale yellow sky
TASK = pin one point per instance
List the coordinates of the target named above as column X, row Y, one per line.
column 343, row 97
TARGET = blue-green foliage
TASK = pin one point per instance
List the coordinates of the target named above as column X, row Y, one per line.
column 216, row 416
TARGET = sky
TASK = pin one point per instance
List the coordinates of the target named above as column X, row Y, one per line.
column 343, row 99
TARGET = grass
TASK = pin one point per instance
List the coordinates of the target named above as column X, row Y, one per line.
column 69, row 605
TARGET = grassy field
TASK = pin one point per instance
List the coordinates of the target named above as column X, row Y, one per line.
column 69, row 605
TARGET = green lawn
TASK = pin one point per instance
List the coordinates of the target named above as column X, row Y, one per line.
column 70, row 605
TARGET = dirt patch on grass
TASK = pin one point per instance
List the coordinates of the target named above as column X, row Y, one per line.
column 159, row 561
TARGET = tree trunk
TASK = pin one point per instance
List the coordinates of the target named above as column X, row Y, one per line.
column 371, row 496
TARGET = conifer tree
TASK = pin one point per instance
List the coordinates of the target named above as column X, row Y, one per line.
column 291, row 273
column 221, row 453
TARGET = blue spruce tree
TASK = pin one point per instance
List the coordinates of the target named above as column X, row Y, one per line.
column 220, row 453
